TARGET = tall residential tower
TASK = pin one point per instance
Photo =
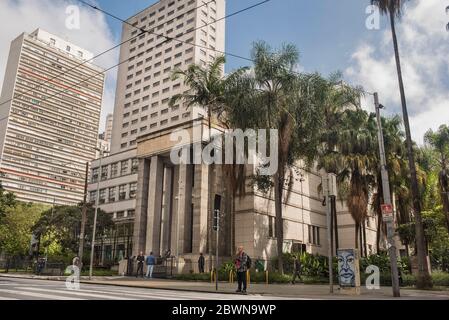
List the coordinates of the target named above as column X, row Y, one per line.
column 48, row 122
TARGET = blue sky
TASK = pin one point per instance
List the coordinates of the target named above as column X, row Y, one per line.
column 325, row 33
column 331, row 35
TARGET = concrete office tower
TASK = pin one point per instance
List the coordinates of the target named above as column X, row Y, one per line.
column 144, row 86
column 108, row 127
column 48, row 123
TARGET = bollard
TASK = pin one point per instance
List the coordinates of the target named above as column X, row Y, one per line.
column 266, row 276
column 212, row 276
column 248, row 277
column 231, row 278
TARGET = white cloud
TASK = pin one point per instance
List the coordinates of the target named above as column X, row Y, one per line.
column 18, row 16
column 424, row 50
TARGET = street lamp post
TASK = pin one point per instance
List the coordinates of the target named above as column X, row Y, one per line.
column 97, row 202
column 387, row 201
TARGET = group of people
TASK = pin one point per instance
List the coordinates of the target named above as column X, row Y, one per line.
column 150, row 261
column 243, row 263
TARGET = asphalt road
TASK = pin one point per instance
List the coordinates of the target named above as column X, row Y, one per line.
column 31, row 289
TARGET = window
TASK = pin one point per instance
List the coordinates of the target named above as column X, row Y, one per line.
column 132, row 190
column 102, row 196
column 95, row 172
column 124, row 167
column 314, row 235
column 68, row 48
column 120, row 214
column 131, row 213
column 122, row 192
column 52, row 41
column 104, row 172
column 134, row 165
column 93, row 196
column 271, row 227
column 114, row 169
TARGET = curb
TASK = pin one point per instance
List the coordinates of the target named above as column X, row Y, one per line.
column 96, row 282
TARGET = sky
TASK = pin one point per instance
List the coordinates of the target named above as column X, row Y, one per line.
column 331, row 35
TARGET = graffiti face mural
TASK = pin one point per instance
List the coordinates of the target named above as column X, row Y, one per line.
column 347, row 267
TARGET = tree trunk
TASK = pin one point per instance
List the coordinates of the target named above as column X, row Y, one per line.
column 334, row 209
column 364, row 240
column 278, row 187
column 423, row 280
column 209, row 195
column 356, row 235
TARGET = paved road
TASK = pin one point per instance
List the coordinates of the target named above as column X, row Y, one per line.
column 30, row 289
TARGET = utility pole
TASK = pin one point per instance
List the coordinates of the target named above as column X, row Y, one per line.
column 83, row 218
column 97, row 203
column 217, row 229
column 389, row 219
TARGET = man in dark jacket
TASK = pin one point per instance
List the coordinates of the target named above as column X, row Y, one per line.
column 296, row 269
column 241, row 267
column 201, row 263
column 140, row 260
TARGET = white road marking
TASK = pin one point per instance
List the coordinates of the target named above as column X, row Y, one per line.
column 78, row 293
column 5, row 298
column 37, row 295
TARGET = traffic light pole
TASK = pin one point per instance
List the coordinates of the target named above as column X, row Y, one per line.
column 387, row 201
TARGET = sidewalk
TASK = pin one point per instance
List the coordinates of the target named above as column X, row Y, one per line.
column 280, row 290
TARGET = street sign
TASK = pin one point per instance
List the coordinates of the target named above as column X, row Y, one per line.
column 387, row 212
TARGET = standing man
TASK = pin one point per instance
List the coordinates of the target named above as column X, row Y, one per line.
column 241, row 267
column 201, row 263
column 296, row 269
column 140, row 260
column 151, row 261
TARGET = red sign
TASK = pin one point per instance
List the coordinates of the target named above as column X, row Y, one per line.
column 387, row 212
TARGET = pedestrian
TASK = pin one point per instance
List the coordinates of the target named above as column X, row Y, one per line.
column 151, row 261
column 76, row 262
column 140, row 260
column 201, row 263
column 241, row 265
column 296, row 269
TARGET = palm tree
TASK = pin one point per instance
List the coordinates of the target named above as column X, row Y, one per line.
column 395, row 152
column 276, row 97
column 440, row 143
column 206, row 91
column 357, row 152
column 393, row 8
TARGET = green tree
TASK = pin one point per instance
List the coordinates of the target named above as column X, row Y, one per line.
column 439, row 141
column 357, row 146
column 7, row 200
column 16, row 228
column 59, row 227
column 393, row 8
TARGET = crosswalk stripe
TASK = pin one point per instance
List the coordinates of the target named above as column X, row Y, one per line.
column 77, row 293
column 37, row 295
column 6, row 298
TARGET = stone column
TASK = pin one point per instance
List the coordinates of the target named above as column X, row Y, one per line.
column 167, row 210
column 153, row 236
column 140, row 219
column 200, row 211
column 182, row 217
